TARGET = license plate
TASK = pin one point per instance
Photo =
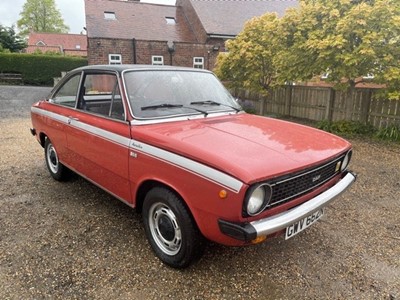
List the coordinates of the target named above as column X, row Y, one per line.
column 299, row 226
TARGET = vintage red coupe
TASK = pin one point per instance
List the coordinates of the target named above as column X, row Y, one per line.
column 174, row 144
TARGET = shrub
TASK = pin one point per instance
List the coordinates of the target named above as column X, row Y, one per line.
column 391, row 133
column 38, row 69
column 350, row 128
column 346, row 127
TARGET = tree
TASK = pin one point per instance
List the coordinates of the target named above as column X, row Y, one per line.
column 41, row 16
column 250, row 62
column 10, row 41
column 347, row 39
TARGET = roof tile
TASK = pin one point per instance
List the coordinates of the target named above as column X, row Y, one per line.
column 136, row 20
column 66, row 41
column 227, row 17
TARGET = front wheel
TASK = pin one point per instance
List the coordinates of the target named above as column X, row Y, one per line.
column 56, row 169
column 170, row 229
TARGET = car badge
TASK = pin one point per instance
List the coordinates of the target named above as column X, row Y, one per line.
column 316, row 178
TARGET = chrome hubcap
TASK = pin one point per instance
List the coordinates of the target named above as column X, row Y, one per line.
column 52, row 158
column 165, row 229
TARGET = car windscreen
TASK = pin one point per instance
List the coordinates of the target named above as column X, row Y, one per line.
column 167, row 93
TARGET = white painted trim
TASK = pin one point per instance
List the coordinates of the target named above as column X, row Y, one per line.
column 190, row 165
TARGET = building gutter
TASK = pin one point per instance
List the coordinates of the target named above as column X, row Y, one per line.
column 221, row 36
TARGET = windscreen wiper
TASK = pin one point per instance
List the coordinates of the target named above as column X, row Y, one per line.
column 170, row 105
column 210, row 102
column 163, row 105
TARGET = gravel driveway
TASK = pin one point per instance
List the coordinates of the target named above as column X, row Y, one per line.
column 73, row 241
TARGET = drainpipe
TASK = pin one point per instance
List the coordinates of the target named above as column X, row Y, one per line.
column 171, row 50
column 134, row 50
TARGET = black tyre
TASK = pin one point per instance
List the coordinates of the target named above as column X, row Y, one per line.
column 57, row 170
column 170, row 229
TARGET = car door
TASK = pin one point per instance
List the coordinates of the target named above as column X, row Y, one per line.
column 60, row 105
column 98, row 134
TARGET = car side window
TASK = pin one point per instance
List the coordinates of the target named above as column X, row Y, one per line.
column 66, row 95
column 100, row 95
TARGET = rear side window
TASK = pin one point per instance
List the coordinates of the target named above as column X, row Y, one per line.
column 101, row 95
column 67, row 94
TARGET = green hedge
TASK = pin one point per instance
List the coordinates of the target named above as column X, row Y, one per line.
column 38, row 69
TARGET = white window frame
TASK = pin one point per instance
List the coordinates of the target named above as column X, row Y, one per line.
column 110, row 15
column 155, row 60
column 369, row 76
column 198, row 62
column 114, row 59
column 170, row 20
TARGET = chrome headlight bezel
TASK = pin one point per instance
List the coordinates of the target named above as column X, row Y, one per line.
column 257, row 199
column 346, row 161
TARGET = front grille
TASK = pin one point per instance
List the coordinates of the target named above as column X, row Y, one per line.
column 285, row 189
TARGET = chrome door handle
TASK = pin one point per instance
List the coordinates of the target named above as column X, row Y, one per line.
column 72, row 118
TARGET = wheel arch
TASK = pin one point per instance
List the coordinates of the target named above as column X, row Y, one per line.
column 147, row 185
column 42, row 139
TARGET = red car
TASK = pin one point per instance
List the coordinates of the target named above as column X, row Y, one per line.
column 174, row 144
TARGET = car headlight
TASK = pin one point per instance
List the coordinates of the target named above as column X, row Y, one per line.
column 346, row 161
column 258, row 198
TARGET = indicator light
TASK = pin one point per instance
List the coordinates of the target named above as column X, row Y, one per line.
column 259, row 239
column 223, row 194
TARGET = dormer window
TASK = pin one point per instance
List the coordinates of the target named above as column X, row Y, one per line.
column 78, row 47
column 170, row 20
column 109, row 15
column 40, row 43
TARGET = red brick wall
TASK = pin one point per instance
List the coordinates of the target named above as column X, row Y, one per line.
column 146, row 49
column 99, row 49
column 185, row 53
column 193, row 19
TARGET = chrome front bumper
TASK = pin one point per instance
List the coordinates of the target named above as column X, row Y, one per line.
column 250, row 231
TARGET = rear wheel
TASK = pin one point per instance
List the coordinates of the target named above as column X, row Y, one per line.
column 170, row 229
column 57, row 170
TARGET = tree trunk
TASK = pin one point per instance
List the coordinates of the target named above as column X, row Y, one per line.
column 350, row 100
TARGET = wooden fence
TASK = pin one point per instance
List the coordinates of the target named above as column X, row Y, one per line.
column 320, row 103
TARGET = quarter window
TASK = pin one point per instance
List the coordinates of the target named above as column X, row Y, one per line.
column 157, row 60
column 66, row 95
column 114, row 59
column 198, row 62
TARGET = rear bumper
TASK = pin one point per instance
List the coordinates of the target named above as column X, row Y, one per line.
column 249, row 231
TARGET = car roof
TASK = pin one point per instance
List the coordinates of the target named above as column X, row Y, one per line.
column 121, row 68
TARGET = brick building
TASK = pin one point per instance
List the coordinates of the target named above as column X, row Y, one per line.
column 63, row 43
column 190, row 33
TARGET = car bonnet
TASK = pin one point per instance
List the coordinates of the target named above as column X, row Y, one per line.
column 247, row 147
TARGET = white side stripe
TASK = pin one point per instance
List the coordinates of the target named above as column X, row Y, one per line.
column 49, row 114
column 116, row 138
column 190, row 165
column 158, row 153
